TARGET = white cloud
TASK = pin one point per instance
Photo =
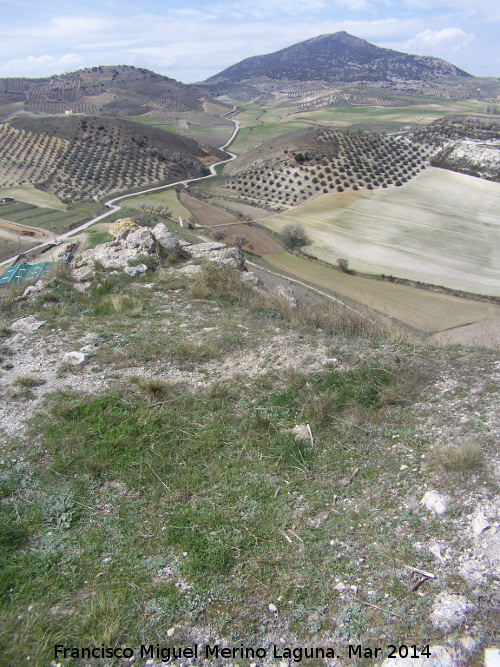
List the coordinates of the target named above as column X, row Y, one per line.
column 41, row 65
column 431, row 41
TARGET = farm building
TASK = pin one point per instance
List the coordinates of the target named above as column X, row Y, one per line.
column 18, row 273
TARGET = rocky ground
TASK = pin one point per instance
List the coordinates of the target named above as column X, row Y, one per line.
column 449, row 461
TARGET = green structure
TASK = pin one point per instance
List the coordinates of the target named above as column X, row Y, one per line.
column 18, row 273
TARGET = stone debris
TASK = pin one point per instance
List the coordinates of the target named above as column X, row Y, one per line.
column 75, row 358
column 434, row 502
column 440, row 657
column 273, row 608
column 449, row 610
column 26, row 325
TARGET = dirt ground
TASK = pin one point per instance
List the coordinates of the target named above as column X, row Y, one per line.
column 261, row 242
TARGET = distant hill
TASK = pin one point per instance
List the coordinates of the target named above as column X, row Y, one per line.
column 119, row 90
column 83, row 157
column 338, row 57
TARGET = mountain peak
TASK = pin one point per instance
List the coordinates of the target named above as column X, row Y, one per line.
column 335, row 57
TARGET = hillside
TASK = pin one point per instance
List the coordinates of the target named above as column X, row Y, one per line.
column 338, row 57
column 117, row 91
column 81, row 158
column 228, row 465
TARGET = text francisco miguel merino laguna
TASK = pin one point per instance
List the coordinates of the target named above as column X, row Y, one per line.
column 207, row 651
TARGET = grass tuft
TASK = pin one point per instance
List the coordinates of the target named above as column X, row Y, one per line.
column 465, row 458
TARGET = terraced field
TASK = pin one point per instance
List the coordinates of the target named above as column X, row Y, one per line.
column 440, row 228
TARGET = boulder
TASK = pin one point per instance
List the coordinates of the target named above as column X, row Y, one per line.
column 165, row 238
column 141, row 241
column 121, row 228
column 26, row 324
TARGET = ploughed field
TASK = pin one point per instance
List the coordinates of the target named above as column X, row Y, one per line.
column 440, row 228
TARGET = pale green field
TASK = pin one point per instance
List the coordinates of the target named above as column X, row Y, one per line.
column 264, row 122
column 426, row 311
column 441, row 227
column 29, row 195
column 166, row 197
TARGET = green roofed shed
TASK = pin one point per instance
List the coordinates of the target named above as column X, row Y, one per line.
column 19, row 273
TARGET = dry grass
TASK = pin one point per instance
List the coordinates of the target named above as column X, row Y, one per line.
column 464, row 458
column 126, row 305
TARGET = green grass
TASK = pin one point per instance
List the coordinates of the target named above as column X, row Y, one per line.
column 190, row 482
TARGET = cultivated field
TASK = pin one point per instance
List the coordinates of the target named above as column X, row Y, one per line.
column 168, row 198
column 30, row 195
column 206, row 214
column 426, row 311
column 441, row 228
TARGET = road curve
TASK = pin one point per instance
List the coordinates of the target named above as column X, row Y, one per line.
column 112, row 202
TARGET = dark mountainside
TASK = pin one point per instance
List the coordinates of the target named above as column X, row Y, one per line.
column 339, row 57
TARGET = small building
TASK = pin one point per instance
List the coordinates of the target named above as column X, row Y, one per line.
column 184, row 223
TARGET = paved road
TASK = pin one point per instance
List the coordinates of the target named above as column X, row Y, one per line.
column 114, row 207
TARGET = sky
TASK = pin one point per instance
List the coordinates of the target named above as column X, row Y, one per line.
column 190, row 40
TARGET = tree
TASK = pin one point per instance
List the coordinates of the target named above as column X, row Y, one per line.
column 342, row 265
column 294, row 236
column 239, row 240
column 218, row 234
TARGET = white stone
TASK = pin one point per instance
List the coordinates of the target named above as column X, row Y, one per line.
column 340, row 586
column 449, row 610
column 75, row 358
column 492, row 657
column 301, row 432
column 440, row 657
column 273, row 608
column 434, row 502
column 170, row 632
column 479, row 524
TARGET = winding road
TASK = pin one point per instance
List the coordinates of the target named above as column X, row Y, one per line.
column 112, row 202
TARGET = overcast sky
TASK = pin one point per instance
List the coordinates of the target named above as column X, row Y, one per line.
column 190, row 40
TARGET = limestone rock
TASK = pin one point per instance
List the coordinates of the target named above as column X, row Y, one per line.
column 121, row 228
column 75, row 358
column 301, row 432
column 440, row 657
column 273, row 608
column 137, row 270
column 289, row 295
column 492, row 657
column 26, row 324
column 218, row 252
column 434, row 502
column 253, row 279
column 32, row 290
column 449, row 610
column 141, row 240
column 165, row 238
